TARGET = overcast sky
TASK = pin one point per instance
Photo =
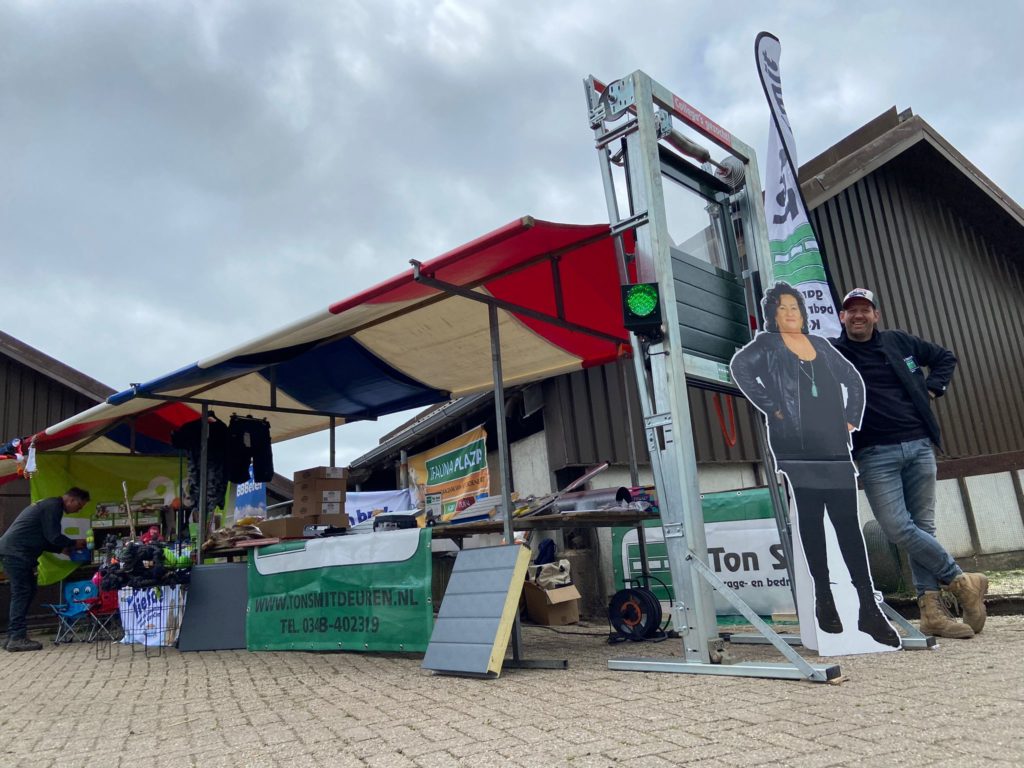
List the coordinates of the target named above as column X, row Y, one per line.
column 179, row 177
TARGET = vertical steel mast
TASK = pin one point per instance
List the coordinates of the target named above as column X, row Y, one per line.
column 707, row 297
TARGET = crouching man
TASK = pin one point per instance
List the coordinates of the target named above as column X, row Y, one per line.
column 35, row 530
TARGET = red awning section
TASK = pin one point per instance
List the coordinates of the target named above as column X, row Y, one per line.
column 419, row 338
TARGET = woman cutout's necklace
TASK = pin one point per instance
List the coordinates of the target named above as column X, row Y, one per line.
column 806, row 365
column 800, row 345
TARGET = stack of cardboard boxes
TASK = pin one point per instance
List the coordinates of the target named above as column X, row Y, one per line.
column 320, row 492
column 319, row 499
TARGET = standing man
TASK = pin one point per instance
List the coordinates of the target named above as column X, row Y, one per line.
column 895, row 459
column 34, row 531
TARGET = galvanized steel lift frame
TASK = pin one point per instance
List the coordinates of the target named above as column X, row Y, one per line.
column 640, row 112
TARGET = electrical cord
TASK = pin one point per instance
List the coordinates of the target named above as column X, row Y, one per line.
column 634, row 614
column 564, row 632
column 671, row 599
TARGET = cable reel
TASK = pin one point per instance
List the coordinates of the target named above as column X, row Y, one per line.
column 634, row 614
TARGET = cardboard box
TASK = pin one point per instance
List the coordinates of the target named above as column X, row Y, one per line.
column 290, row 527
column 553, row 607
column 321, row 473
column 310, row 508
column 311, row 496
column 323, row 490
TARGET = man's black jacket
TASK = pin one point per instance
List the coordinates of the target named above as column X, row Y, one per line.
column 36, row 530
column 898, row 346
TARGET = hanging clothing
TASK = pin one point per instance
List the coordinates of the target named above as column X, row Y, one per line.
column 189, row 439
column 249, row 442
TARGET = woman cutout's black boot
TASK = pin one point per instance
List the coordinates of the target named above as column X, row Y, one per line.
column 872, row 621
column 825, row 611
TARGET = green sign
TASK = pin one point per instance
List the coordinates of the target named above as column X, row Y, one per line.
column 457, row 464
column 743, row 549
column 368, row 592
column 148, row 477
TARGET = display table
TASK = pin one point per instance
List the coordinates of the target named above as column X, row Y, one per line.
column 238, row 553
column 597, row 518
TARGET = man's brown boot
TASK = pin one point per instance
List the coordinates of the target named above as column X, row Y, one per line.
column 936, row 620
column 970, row 589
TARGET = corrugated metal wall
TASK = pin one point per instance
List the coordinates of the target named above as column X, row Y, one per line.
column 30, row 401
column 585, row 421
column 938, row 276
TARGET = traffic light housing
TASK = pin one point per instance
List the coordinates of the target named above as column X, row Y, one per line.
column 641, row 310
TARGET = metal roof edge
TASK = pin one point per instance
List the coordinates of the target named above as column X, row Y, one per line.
column 843, row 173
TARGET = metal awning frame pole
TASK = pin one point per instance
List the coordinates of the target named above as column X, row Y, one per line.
column 505, row 467
column 503, row 459
column 272, row 408
column 490, row 301
column 502, row 435
column 334, row 424
column 204, row 453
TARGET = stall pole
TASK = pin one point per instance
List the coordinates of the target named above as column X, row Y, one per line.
column 503, row 462
column 333, row 425
column 204, row 434
column 517, row 660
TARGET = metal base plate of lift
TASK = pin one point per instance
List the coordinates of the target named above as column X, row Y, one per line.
column 752, row 638
column 823, row 673
column 913, row 640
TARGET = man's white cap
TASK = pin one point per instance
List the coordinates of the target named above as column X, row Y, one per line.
column 860, row 293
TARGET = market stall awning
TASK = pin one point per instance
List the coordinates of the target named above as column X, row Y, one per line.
column 414, row 340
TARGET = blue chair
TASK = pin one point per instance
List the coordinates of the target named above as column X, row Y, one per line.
column 78, row 597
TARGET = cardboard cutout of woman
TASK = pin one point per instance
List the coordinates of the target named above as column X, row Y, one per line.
column 797, row 380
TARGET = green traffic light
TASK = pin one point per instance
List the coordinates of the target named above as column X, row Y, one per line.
column 642, row 299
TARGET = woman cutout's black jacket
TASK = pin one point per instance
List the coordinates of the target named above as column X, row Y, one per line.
column 769, row 375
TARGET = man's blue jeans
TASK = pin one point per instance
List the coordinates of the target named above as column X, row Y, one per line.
column 22, row 580
column 899, row 481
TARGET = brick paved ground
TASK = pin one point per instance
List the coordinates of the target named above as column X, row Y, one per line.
column 960, row 705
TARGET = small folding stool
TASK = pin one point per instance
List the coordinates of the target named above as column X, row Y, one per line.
column 73, row 610
column 105, row 617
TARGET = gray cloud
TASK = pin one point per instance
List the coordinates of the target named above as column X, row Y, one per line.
column 180, row 177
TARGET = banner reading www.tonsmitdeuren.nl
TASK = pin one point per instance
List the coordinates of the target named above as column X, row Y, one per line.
column 796, row 255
